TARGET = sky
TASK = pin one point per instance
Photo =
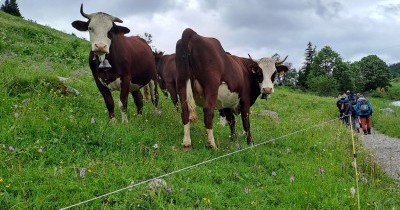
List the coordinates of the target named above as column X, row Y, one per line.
column 352, row 28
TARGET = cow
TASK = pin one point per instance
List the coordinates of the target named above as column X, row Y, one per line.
column 213, row 79
column 120, row 63
column 166, row 71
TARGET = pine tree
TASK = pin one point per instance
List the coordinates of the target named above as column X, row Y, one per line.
column 11, row 7
column 305, row 70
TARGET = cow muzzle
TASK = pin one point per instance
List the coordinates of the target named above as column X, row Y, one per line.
column 100, row 49
column 265, row 93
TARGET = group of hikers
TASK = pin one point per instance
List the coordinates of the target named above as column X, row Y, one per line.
column 357, row 108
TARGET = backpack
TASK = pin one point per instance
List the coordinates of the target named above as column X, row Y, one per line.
column 364, row 106
column 342, row 106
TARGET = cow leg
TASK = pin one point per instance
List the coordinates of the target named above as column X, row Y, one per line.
column 138, row 99
column 222, row 117
column 245, row 112
column 108, row 99
column 123, row 99
column 208, row 110
column 174, row 96
column 187, row 142
column 231, row 121
column 154, row 92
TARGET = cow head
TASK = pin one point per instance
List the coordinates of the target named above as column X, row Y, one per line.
column 101, row 27
column 270, row 67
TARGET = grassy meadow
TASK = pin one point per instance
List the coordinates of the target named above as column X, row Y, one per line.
column 58, row 149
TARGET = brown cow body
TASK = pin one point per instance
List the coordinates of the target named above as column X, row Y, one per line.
column 167, row 74
column 130, row 62
column 217, row 80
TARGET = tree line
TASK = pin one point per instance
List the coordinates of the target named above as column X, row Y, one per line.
column 326, row 73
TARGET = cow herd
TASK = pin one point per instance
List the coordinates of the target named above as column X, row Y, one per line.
column 200, row 73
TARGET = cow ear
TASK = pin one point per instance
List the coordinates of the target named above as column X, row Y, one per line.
column 120, row 29
column 80, row 25
column 282, row 69
column 254, row 68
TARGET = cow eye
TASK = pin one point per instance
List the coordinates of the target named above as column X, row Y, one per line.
column 90, row 28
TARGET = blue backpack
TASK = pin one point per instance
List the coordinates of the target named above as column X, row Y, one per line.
column 364, row 108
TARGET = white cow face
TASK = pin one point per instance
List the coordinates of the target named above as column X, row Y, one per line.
column 270, row 67
column 101, row 27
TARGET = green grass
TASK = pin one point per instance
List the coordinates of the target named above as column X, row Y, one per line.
column 54, row 138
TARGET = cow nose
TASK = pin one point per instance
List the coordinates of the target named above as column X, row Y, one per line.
column 101, row 47
column 267, row 90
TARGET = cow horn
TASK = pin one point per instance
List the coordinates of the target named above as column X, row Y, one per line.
column 250, row 56
column 117, row 20
column 278, row 63
column 84, row 14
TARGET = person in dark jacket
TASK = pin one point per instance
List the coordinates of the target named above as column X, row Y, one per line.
column 364, row 112
column 345, row 108
column 340, row 106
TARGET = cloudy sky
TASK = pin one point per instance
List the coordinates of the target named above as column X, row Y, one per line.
column 352, row 28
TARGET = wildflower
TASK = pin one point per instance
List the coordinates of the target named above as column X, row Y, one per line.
column 288, row 150
column 291, row 179
column 246, row 189
column 238, row 146
column 16, row 114
column 1, row 179
column 273, row 173
column 352, row 191
column 343, row 165
column 93, row 120
column 207, row 200
column 4, row 146
column 155, row 146
column 321, row 170
column 8, row 186
column 156, row 184
column 364, row 180
column 82, row 172
column 40, row 150
column 169, row 190
column 235, row 174
column 159, row 112
column 11, row 148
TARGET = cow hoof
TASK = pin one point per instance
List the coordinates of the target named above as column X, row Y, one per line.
column 187, row 148
column 193, row 118
column 113, row 120
column 250, row 143
column 212, row 146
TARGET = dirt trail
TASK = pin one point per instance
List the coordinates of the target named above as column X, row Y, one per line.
column 386, row 152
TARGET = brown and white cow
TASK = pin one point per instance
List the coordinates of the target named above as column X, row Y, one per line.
column 210, row 77
column 118, row 62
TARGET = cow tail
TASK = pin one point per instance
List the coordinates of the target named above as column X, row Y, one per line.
column 186, row 36
column 190, row 102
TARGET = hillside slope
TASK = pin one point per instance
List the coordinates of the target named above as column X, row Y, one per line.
column 59, row 149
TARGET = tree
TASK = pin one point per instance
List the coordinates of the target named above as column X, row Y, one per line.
column 305, row 70
column 357, row 77
column 395, row 70
column 329, row 73
column 375, row 73
column 11, row 7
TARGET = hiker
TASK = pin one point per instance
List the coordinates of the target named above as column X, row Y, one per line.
column 364, row 112
column 354, row 119
column 344, row 106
